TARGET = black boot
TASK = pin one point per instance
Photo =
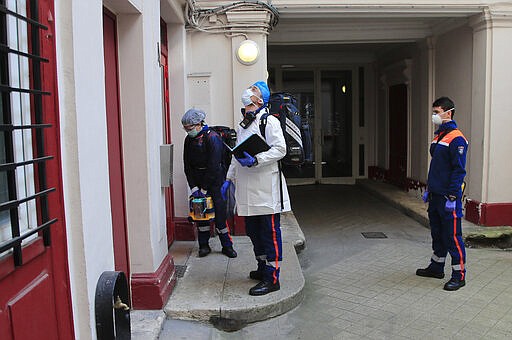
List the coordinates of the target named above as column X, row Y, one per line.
column 229, row 252
column 256, row 275
column 427, row 272
column 263, row 288
column 454, row 284
column 204, row 250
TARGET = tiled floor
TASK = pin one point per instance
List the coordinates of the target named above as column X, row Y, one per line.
column 359, row 288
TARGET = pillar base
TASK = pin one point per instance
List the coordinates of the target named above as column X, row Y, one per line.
column 151, row 290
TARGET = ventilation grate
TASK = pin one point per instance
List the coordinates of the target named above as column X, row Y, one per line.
column 374, row 234
column 180, row 270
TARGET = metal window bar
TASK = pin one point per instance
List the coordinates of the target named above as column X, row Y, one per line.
column 6, row 127
column 37, row 127
column 5, row 48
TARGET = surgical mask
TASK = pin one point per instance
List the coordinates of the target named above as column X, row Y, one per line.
column 246, row 97
column 192, row 133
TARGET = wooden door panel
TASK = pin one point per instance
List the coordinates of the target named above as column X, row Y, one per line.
column 114, row 137
column 32, row 312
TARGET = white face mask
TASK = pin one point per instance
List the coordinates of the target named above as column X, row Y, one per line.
column 436, row 118
column 246, row 97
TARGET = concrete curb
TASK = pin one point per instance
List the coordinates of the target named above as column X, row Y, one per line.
column 146, row 324
column 215, row 289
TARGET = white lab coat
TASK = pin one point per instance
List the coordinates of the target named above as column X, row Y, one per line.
column 257, row 187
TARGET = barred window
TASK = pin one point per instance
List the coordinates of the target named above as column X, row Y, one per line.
column 23, row 192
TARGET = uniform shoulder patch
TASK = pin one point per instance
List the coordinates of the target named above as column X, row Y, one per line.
column 461, row 149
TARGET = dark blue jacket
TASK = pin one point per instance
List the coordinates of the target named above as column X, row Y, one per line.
column 447, row 167
column 203, row 160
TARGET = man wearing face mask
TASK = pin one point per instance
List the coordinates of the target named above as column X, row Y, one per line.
column 444, row 195
column 205, row 172
column 257, row 188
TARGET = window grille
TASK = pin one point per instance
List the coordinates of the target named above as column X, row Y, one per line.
column 23, row 190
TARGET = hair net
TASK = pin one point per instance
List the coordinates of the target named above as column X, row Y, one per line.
column 193, row 117
column 265, row 92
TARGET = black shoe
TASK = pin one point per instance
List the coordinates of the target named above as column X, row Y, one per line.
column 263, row 288
column 256, row 275
column 454, row 284
column 229, row 252
column 427, row 272
column 204, row 250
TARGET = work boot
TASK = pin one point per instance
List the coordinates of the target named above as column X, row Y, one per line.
column 204, row 250
column 427, row 272
column 256, row 275
column 263, row 288
column 454, row 284
column 229, row 252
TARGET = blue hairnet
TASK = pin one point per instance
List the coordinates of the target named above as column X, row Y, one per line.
column 193, row 117
column 265, row 92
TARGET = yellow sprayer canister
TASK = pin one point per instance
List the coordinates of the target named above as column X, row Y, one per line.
column 201, row 209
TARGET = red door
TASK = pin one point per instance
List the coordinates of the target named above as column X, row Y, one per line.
column 34, row 284
column 115, row 155
column 398, row 134
column 164, row 61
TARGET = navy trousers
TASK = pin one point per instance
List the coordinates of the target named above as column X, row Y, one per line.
column 446, row 231
column 221, row 226
column 265, row 234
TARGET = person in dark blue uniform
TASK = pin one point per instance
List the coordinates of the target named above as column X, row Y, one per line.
column 444, row 195
column 205, row 171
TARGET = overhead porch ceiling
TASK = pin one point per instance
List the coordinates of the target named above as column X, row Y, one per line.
column 326, row 22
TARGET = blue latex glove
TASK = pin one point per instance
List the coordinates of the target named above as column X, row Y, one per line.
column 198, row 194
column 449, row 205
column 248, row 160
column 224, row 189
column 424, row 197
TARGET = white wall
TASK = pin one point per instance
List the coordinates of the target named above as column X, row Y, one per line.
column 80, row 73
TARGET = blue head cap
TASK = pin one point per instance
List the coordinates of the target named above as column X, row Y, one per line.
column 265, row 92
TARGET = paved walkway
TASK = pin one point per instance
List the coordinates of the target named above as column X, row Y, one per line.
column 365, row 288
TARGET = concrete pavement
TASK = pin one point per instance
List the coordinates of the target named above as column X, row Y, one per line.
column 355, row 288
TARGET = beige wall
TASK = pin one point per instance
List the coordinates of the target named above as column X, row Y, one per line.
column 453, row 78
column 214, row 82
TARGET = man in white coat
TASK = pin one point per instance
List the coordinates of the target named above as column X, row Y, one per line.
column 260, row 197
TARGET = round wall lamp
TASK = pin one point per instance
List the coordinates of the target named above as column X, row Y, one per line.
column 247, row 52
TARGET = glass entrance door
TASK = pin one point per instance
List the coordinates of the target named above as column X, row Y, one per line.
column 324, row 99
column 336, row 129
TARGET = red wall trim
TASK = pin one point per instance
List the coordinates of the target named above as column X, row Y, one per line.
column 184, row 229
column 151, row 290
column 489, row 214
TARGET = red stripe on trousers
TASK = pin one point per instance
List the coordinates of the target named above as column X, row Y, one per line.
column 274, row 238
column 458, row 245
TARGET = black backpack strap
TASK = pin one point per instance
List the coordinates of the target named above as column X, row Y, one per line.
column 263, row 125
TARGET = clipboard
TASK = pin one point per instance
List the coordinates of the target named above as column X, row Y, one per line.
column 253, row 145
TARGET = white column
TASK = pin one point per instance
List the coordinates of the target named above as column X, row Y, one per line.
column 491, row 116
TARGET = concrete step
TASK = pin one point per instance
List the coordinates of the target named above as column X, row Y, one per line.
column 215, row 288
